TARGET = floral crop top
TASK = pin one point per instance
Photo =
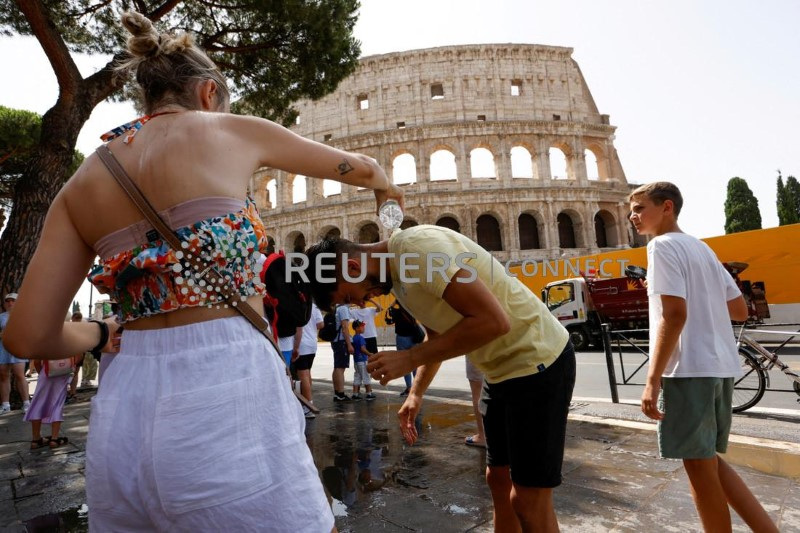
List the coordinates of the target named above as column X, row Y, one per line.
column 149, row 278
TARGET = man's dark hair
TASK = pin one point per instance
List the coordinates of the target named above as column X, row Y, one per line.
column 332, row 249
column 77, row 316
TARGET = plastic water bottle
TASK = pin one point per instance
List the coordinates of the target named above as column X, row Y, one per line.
column 390, row 214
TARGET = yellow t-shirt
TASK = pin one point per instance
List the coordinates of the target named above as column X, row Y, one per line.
column 424, row 260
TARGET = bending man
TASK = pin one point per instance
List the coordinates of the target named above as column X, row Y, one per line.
column 463, row 297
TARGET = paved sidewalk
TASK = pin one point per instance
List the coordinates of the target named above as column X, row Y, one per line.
column 613, row 480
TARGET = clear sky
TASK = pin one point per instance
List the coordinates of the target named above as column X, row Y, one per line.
column 700, row 91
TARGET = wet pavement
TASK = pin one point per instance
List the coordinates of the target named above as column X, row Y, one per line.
column 613, row 479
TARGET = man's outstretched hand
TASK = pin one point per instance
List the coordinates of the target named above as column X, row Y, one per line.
column 389, row 365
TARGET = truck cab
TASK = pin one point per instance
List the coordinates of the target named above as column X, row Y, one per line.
column 569, row 301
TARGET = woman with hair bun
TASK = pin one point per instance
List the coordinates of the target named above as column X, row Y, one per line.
column 179, row 440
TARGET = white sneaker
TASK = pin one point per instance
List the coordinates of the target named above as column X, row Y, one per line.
column 26, row 406
column 5, row 409
column 308, row 413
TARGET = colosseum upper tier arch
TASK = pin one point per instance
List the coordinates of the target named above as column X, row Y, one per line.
column 470, row 104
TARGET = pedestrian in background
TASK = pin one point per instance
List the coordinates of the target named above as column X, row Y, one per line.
column 475, row 378
column 342, row 347
column 406, row 335
column 79, row 360
column 360, row 357
column 47, row 407
column 367, row 315
column 10, row 365
column 303, row 353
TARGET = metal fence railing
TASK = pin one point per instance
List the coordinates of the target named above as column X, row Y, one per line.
column 628, row 352
column 628, row 344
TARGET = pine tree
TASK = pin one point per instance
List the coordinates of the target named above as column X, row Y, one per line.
column 741, row 208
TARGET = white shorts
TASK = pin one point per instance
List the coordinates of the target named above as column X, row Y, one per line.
column 360, row 374
column 181, row 440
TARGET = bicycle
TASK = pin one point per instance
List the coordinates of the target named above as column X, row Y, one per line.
column 756, row 362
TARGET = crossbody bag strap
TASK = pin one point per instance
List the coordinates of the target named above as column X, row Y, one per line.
column 206, row 272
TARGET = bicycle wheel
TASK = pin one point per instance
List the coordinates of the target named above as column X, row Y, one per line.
column 748, row 389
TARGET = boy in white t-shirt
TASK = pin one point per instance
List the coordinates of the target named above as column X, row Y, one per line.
column 693, row 357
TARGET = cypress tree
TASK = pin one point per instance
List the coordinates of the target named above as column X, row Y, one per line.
column 793, row 199
column 787, row 213
column 741, row 208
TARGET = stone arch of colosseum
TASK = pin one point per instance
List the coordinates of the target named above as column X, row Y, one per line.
column 461, row 99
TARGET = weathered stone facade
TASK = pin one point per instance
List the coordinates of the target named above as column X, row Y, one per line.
column 428, row 116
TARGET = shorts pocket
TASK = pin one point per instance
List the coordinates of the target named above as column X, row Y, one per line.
column 206, row 450
column 100, row 452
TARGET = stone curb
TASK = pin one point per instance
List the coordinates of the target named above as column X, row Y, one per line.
column 774, row 457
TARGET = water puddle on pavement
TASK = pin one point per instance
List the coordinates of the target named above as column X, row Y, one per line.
column 73, row 520
column 360, row 452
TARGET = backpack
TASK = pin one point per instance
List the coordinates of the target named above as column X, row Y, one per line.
column 288, row 300
column 329, row 332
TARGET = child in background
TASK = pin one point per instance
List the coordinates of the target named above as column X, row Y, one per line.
column 46, row 407
column 360, row 356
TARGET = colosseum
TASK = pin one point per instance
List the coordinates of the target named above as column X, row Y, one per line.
column 502, row 142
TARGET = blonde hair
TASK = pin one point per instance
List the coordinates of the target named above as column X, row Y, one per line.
column 657, row 192
column 168, row 67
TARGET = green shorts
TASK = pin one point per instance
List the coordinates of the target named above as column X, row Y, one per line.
column 697, row 417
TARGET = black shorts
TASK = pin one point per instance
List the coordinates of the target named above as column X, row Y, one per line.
column 341, row 358
column 372, row 344
column 525, row 420
column 304, row 362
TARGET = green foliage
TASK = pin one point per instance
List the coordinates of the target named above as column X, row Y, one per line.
column 788, row 201
column 741, row 208
column 19, row 135
column 784, row 204
column 274, row 52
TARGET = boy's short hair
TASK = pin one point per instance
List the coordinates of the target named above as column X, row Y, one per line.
column 657, row 192
column 357, row 324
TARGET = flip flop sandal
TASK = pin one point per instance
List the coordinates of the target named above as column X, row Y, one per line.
column 41, row 442
column 469, row 441
column 55, row 443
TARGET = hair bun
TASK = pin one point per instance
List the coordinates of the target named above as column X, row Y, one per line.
column 144, row 40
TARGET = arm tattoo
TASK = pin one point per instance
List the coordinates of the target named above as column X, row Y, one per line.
column 344, row 167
